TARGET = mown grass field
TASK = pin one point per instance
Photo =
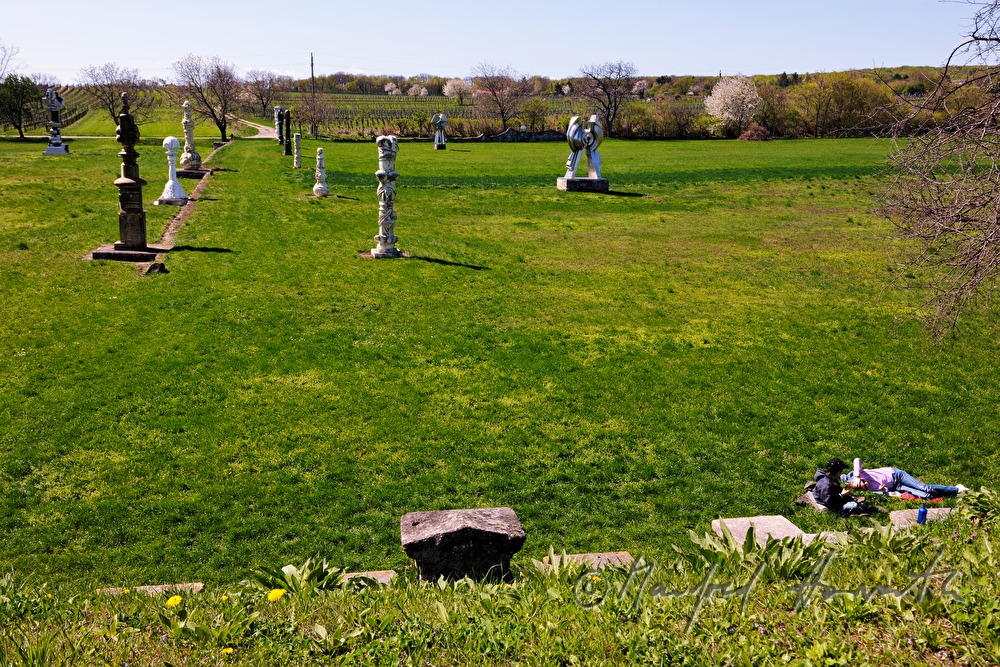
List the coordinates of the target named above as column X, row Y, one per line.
column 618, row 369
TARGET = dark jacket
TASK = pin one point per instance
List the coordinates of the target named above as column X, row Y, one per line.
column 827, row 491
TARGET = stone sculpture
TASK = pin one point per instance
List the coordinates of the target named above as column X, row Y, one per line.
column 287, row 116
column 388, row 146
column 189, row 159
column 132, row 217
column 54, row 103
column 320, row 189
column 583, row 136
column 297, row 147
column 279, row 124
column 439, row 121
column 173, row 191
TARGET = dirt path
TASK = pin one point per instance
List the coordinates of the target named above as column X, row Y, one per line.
column 263, row 131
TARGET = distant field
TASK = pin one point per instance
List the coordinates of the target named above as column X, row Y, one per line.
column 618, row 369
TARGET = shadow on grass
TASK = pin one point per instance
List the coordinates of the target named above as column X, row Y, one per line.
column 191, row 248
column 343, row 197
column 619, row 193
column 434, row 260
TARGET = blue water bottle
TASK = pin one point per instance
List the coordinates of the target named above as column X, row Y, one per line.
column 922, row 515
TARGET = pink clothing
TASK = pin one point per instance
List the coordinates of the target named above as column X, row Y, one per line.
column 879, row 479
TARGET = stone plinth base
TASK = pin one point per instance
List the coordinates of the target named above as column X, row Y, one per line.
column 440, row 147
column 154, row 590
column 907, row 518
column 61, row 149
column 383, row 577
column 170, row 202
column 462, row 543
column 388, row 253
column 582, row 184
column 121, row 253
column 194, row 173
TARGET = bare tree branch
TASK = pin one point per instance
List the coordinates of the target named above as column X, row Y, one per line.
column 105, row 84
column 212, row 86
column 504, row 87
column 608, row 85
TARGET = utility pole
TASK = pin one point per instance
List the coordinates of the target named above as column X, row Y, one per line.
column 312, row 75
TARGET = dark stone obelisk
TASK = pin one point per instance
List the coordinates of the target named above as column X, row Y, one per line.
column 288, row 132
column 131, row 217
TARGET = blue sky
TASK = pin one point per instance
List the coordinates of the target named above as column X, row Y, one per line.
column 59, row 37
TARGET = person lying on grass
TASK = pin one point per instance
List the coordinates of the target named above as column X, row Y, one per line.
column 887, row 480
column 831, row 495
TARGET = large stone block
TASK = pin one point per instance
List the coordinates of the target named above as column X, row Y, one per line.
column 475, row 543
column 582, row 184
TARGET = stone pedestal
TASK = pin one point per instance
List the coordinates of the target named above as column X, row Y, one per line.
column 320, row 188
column 173, row 191
column 54, row 103
column 462, row 543
column 440, row 147
column 297, row 149
column 287, row 117
column 582, row 184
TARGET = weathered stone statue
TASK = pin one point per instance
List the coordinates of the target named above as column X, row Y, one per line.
column 320, row 189
column 583, row 136
column 279, row 124
column 189, row 158
column 388, row 146
column 439, row 121
column 297, row 148
column 54, row 103
column 173, row 191
column 288, row 131
column 131, row 217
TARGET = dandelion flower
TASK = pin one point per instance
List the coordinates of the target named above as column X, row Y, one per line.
column 125, row 592
column 174, row 601
column 227, row 650
column 276, row 594
column 225, row 598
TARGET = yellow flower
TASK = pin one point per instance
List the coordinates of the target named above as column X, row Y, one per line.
column 227, row 650
column 174, row 601
column 276, row 594
column 225, row 598
column 48, row 595
column 125, row 592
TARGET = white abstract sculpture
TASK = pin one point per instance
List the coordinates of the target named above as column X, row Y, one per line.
column 278, row 123
column 190, row 158
column 583, row 136
column 297, row 143
column 173, row 191
column 439, row 121
column 388, row 146
column 320, row 189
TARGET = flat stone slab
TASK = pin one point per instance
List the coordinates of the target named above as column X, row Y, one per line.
column 118, row 254
column 582, row 184
column 381, row 576
column 599, row 561
column 907, row 518
column 155, row 590
column 807, row 499
column 764, row 527
column 476, row 543
column 193, row 173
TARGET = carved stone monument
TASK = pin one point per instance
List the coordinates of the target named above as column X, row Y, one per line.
column 173, row 191
column 190, row 160
column 388, row 146
column 288, row 131
column 297, row 148
column 439, row 121
column 279, row 124
column 320, row 189
column 131, row 246
column 583, row 136
column 54, row 103
column 453, row 544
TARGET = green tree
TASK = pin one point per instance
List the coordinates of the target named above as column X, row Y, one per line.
column 18, row 96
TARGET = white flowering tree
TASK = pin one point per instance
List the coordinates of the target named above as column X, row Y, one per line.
column 459, row 89
column 734, row 101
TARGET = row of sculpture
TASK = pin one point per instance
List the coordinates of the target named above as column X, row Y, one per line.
column 583, row 137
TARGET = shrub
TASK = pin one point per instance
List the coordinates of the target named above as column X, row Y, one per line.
column 755, row 133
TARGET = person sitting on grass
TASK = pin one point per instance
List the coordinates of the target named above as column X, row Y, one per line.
column 886, row 480
column 830, row 494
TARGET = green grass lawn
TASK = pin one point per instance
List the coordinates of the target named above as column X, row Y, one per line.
column 167, row 122
column 618, row 369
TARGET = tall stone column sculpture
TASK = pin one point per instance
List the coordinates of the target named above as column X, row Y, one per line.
column 190, row 159
column 320, row 189
column 388, row 146
column 439, row 121
column 297, row 148
column 288, row 131
column 583, row 136
column 131, row 217
column 54, row 103
column 173, row 191
column 279, row 124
